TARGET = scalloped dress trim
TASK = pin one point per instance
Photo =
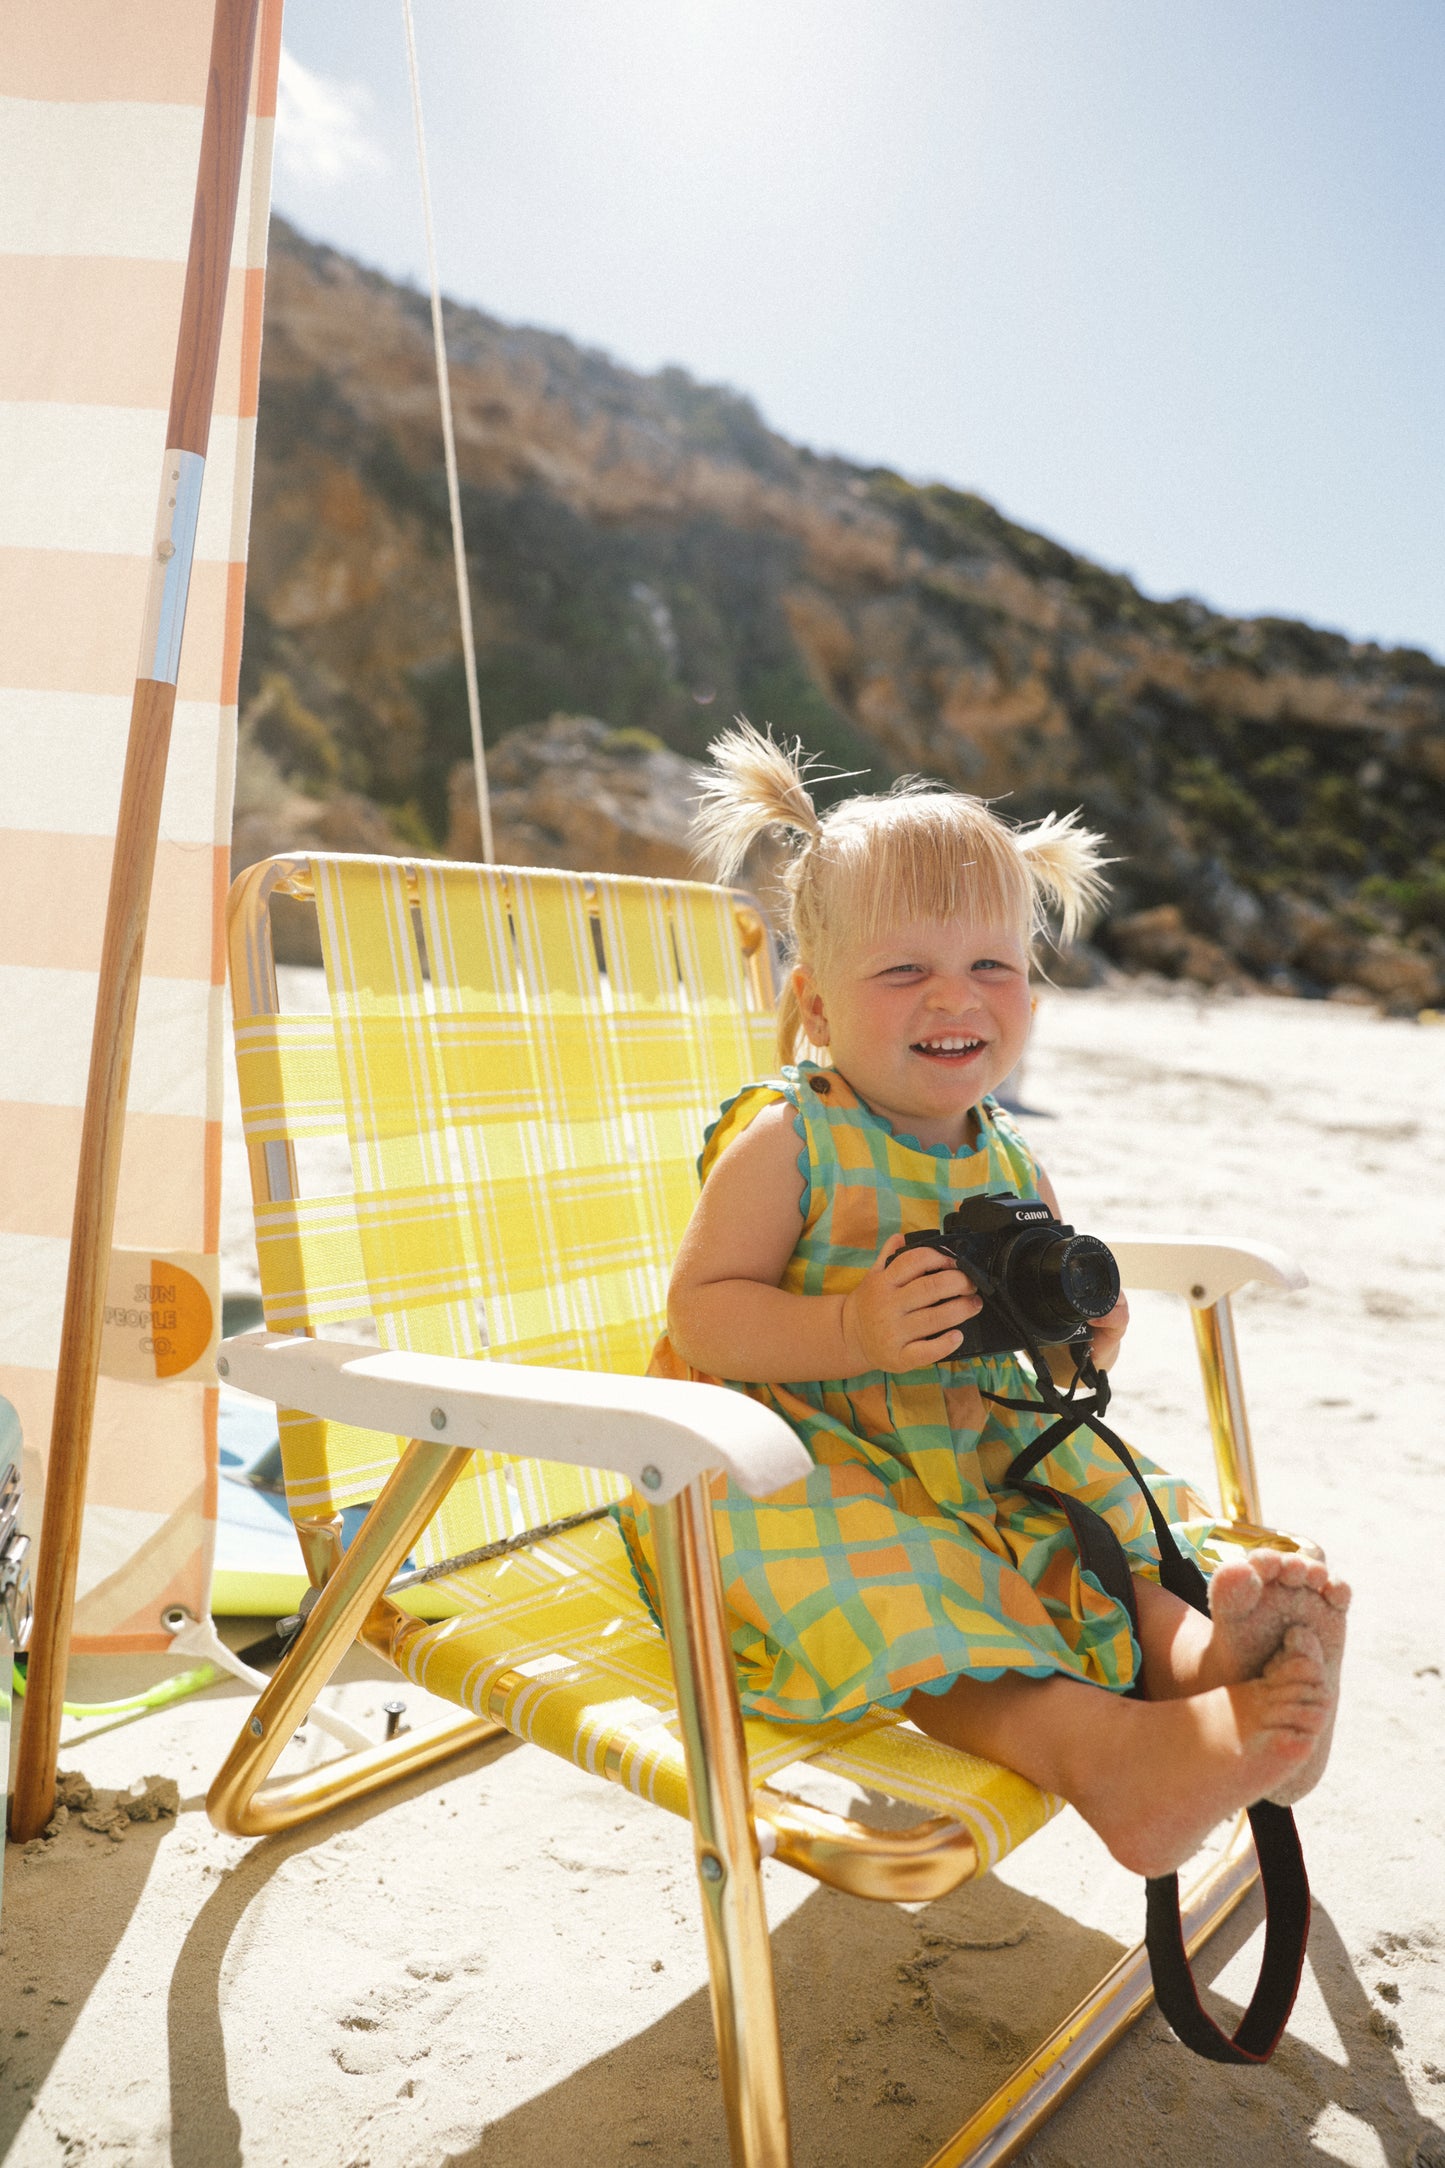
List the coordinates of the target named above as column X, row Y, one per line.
column 784, row 1087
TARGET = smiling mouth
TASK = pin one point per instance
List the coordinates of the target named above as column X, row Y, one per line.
column 949, row 1049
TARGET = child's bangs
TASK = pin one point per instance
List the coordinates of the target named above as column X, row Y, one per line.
column 929, row 856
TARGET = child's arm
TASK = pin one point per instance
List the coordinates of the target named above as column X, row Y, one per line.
column 1108, row 1332
column 727, row 1315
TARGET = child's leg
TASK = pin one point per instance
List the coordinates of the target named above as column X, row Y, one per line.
column 1151, row 1777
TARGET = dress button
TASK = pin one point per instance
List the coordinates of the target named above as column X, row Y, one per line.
column 820, row 1085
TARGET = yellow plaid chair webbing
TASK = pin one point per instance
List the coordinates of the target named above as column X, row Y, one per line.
column 554, row 1641
column 519, row 1067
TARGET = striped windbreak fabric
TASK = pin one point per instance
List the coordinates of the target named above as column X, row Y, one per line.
column 905, row 1560
column 100, row 126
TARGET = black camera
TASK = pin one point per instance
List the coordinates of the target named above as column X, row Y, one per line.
column 1039, row 1280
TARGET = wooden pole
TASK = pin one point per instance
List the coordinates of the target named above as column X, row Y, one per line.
column 193, row 387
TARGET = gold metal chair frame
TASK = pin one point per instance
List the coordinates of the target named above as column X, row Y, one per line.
column 734, row 1824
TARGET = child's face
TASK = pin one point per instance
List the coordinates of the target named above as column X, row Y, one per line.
column 924, row 1020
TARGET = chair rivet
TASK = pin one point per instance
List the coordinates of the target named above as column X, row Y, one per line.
column 438, row 1418
column 651, row 1478
column 710, row 1867
column 1198, row 1291
column 258, row 1729
column 223, row 1367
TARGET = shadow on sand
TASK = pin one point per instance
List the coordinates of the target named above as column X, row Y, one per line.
column 205, row 2129
column 896, row 2024
column 39, row 2003
column 872, row 2081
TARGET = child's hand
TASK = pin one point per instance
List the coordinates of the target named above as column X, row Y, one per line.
column 906, row 1311
column 1107, row 1332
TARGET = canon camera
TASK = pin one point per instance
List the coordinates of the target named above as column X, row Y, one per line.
column 1039, row 1281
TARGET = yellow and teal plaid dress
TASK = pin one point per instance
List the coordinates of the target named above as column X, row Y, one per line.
column 904, row 1561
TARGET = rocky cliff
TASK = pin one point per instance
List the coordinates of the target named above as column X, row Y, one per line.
column 645, row 551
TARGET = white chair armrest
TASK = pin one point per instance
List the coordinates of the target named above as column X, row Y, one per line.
column 659, row 1432
column 1205, row 1271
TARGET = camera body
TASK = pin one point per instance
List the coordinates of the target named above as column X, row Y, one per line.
column 1038, row 1279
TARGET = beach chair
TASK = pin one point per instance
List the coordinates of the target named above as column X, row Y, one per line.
column 517, row 1068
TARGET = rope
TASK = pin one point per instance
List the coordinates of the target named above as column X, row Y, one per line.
column 155, row 1697
column 449, row 447
column 524, row 1542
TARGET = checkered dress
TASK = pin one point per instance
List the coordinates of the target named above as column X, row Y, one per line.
column 904, row 1561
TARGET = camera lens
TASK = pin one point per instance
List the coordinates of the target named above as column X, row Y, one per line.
column 1088, row 1278
column 1058, row 1284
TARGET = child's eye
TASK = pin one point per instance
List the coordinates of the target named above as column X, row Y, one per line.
column 991, row 963
column 901, row 971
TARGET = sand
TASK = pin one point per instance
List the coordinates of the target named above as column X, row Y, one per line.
column 502, row 1968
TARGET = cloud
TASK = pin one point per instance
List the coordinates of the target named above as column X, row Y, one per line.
column 321, row 126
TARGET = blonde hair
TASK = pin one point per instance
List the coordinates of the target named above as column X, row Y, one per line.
column 915, row 852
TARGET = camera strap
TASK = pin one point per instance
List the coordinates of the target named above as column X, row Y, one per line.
column 1276, row 1840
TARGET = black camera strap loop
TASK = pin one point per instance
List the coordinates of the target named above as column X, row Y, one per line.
column 1179, row 1574
column 1276, row 1840
column 1286, row 1933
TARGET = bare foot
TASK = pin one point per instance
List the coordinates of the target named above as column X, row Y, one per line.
column 1176, row 1768
column 1253, row 1599
column 1312, row 1768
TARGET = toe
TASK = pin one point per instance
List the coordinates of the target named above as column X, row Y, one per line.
column 1266, row 1565
column 1235, row 1589
column 1293, row 1571
column 1289, row 1741
column 1296, row 1678
column 1337, row 1593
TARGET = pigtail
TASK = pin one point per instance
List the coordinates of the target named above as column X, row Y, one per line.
column 1066, row 863
column 754, row 784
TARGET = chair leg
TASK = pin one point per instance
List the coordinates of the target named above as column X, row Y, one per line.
column 1228, row 1419
column 745, row 2011
column 1013, row 2115
column 240, row 1801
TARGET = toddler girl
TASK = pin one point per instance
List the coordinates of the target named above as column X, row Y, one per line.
column 906, row 1571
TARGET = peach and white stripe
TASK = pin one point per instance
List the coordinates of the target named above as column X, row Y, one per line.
column 100, row 128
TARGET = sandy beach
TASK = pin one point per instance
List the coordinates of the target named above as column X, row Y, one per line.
column 503, row 1968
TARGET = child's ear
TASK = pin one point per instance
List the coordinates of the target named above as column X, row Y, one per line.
column 810, row 1004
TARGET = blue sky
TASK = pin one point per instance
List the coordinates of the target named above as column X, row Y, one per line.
column 1163, row 278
